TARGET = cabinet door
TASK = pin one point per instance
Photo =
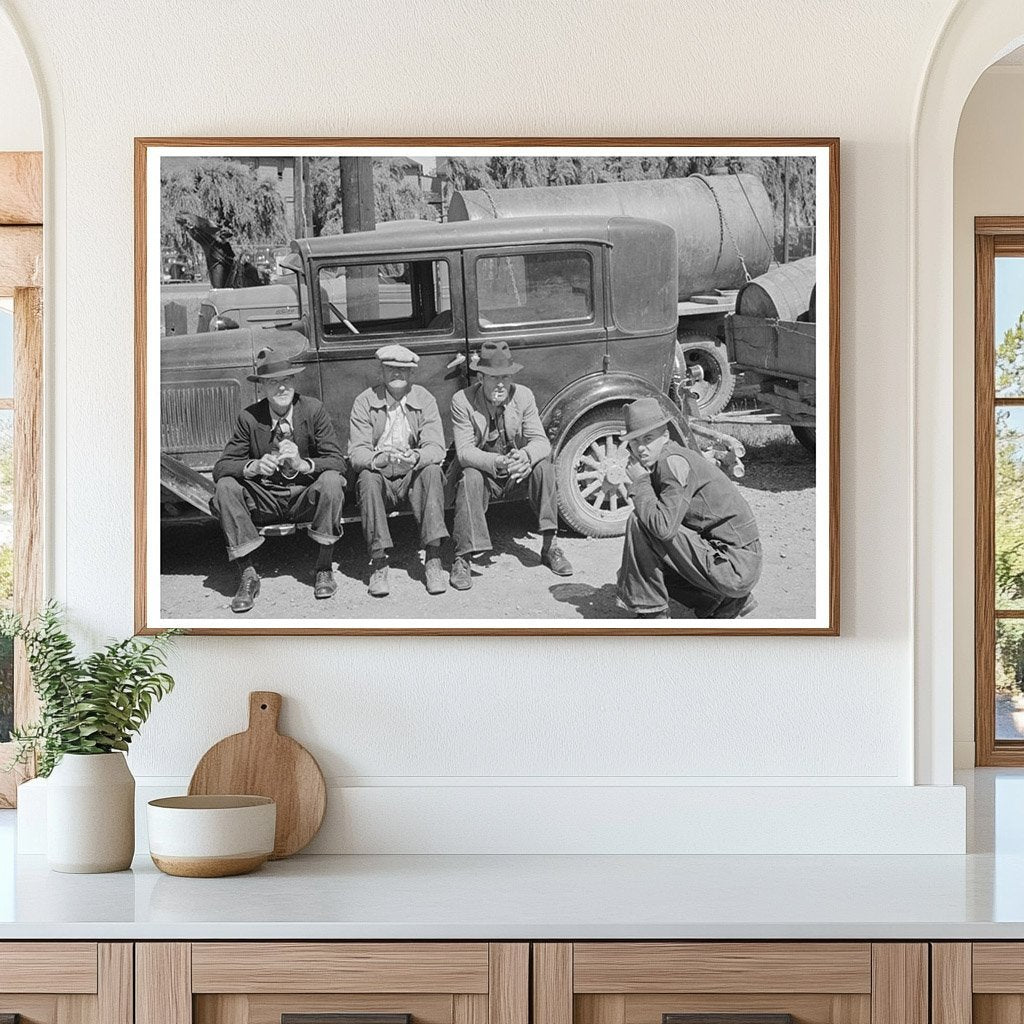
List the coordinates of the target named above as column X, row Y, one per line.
column 65, row 983
column 332, row 983
column 978, row 983
column 730, row 983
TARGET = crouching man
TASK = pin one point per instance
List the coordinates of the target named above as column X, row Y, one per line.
column 396, row 445
column 503, row 452
column 690, row 534
column 282, row 464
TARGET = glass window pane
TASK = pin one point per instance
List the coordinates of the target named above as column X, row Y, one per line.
column 1009, row 324
column 6, row 354
column 385, row 298
column 537, row 288
column 1009, row 679
column 1009, row 512
column 6, row 567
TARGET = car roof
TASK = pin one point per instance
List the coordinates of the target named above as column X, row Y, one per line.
column 423, row 235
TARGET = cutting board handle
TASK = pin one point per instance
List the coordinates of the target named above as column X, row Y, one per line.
column 264, row 710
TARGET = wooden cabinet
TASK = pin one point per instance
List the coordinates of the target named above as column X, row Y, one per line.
column 66, row 982
column 978, row 983
column 265, row 982
column 759, row 982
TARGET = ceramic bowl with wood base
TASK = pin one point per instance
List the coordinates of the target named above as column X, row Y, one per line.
column 211, row 836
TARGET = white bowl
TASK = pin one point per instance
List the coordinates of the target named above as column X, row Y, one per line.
column 211, row 836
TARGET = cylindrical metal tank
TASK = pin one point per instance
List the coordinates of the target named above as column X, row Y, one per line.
column 784, row 293
column 716, row 218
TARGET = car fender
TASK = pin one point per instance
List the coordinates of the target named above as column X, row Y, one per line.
column 186, row 484
column 565, row 409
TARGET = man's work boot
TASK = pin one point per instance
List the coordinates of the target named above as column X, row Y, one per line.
column 436, row 583
column 379, row 578
column 554, row 558
column 325, row 585
column 248, row 590
column 460, row 578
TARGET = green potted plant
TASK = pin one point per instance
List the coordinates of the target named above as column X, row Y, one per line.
column 89, row 710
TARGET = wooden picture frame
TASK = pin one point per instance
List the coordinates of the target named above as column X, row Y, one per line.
column 822, row 620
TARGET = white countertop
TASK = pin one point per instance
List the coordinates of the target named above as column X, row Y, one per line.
column 977, row 896
column 516, row 897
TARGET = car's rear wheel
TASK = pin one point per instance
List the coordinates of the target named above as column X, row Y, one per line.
column 711, row 376
column 591, row 471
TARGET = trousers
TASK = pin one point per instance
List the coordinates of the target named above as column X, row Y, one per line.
column 700, row 572
column 243, row 505
column 421, row 488
column 475, row 491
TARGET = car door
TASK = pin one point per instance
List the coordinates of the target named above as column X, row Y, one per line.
column 361, row 305
column 547, row 302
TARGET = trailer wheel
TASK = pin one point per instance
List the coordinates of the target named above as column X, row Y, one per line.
column 805, row 435
column 708, row 364
column 590, row 469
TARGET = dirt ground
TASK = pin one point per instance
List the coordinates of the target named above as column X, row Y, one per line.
column 198, row 583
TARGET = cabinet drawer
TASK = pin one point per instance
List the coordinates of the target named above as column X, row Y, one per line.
column 65, row 967
column 730, row 983
column 332, row 983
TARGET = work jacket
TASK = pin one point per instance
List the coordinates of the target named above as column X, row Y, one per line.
column 312, row 431
column 471, row 420
column 370, row 416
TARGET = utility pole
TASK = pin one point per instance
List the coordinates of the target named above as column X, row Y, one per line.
column 362, row 284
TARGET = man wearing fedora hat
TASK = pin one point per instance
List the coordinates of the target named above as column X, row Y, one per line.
column 396, row 445
column 282, row 464
column 690, row 534
column 503, row 452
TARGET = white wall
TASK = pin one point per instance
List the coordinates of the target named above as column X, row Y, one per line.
column 428, row 717
column 21, row 126
column 987, row 182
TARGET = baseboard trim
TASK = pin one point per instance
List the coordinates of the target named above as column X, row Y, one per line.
column 717, row 820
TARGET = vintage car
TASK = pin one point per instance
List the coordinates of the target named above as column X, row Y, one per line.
column 587, row 304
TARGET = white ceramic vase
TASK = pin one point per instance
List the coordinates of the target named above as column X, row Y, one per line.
column 90, row 814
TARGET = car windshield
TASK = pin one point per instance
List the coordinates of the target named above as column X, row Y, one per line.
column 534, row 288
column 385, row 298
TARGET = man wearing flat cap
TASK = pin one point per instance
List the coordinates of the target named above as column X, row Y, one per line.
column 282, row 464
column 503, row 452
column 396, row 445
column 690, row 533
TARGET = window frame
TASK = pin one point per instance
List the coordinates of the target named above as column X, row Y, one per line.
column 993, row 237
column 21, row 278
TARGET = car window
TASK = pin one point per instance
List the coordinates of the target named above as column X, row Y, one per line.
column 534, row 288
column 385, row 298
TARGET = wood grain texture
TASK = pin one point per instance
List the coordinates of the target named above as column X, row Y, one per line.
column 304, row 967
column 65, row 967
column 28, row 483
column 225, row 1009
column 998, row 1009
column 508, row 993
column 76, row 1009
column 21, row 188
column 634, row 967
column 21, row 259
column 115, row 996
column 552, row 983
column 163, row 983
column 268, row 1009
column 984, row 502
column 31, row 1009
column 468, row 1009
column 899, row 992
column 603, row 1009
column 951, row 983
column 144, row 143
column 998, row 967
column 805, row 1008
column 262, row 762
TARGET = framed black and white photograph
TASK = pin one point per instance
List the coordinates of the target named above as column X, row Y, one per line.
column 487, row 386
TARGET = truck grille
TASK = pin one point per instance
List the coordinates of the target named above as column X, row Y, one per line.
column 196, row 417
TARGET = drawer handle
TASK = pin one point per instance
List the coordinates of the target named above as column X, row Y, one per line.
column 727, row 1018
column 10, row 1018
column 339, row 1018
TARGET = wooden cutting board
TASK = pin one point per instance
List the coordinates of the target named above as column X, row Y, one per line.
column 262, row 762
